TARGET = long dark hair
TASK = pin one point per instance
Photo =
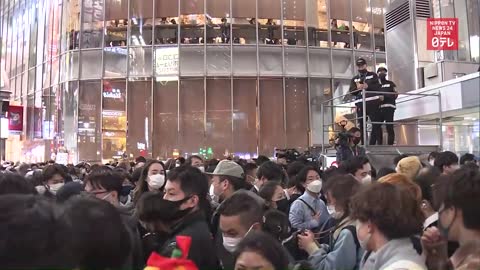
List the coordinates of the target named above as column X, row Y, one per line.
column 142, row 185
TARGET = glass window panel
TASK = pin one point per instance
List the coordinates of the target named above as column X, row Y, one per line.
column 166, row 20
column 245, row 116
column 55, row 76
column 114, row 119
column 30, row 117
column 42, row 114
column 117, row 9
column 243, row 8
column 378, row 11
column 320, row 89
column 219, row 117
column 340, row 88
column 165, row 119
column 139, row 119
column 296, row 61
column 244, row 23
column 319, row 62
column 342, row 63
column 340, row 26
column 89, row 117
column 192, row 109
column 244, row 60
column 474, row 29
column 317, row 23
column 166, row 8
column 91, row 64
column 270, row 61
column 140, row 61
column 70, row 119
column 47, row 66
column 92, row 23
column 115, row 61
column 463, row 37
column 70, row 25
column 218, row 22
column 218, row 60
column 294, row 22
column 362, row 24
column 141, row 20
column 381, row 61
column 269, row 23
column 296, row 111
column 191, row 60
column 31, row 81
column 72, row 65
column 116, row 19
column 272, row 131
column 192, row 21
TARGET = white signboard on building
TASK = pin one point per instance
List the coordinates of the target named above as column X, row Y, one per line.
column 166, row 61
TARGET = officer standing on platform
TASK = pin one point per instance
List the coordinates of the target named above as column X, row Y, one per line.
column 387, row 109
column 369, row 81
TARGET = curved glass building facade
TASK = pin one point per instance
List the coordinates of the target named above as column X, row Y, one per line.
column 100, row 79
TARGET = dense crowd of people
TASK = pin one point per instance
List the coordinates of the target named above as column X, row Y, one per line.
column 242, row 214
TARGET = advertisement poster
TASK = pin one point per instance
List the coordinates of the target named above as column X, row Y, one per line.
column 15, row 118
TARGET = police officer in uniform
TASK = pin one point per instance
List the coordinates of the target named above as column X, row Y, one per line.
column 369, row 81
column 387, row 109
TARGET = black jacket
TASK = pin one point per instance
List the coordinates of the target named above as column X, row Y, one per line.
column 388, row 86
column 136, row 259
column 202, row 251
column 371, row 79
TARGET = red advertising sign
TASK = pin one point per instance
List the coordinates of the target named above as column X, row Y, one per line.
column 442, row 34
column 15, row 118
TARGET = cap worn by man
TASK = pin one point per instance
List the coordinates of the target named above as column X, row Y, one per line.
column 228, row 168
column 361, row 62
column 382, row 69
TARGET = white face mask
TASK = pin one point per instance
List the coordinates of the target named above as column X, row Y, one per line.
column 432, row 162
column 55, row 187
column 211, row 193
column 363, row 242
column 202, row 169
column 331, row 210
column 156, row 181
column 230, row 243
column 367, row 179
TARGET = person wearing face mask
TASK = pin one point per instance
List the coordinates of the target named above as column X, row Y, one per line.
column 187, row 190
column 152, row 179
column 388, row 106
column 386, row 217
column 239, row 215
column 227, row 178
column 359, row 167
column 106, row 185
column 459, row 220
column 309, row 212
column 197, row 162
column 368, row 81
column 343, row 251
column 54, row 177
column 352, row 149
column 274, row 196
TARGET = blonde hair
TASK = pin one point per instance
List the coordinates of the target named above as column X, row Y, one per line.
column 402, row 181
column 410, row 166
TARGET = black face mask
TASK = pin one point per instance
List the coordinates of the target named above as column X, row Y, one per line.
column 362, row 71
column 126, row 190
column 382, row 76
column 283, row 205
column 176, row 213
column 356, row 140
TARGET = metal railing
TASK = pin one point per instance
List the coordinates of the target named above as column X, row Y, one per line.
column 402, row 98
